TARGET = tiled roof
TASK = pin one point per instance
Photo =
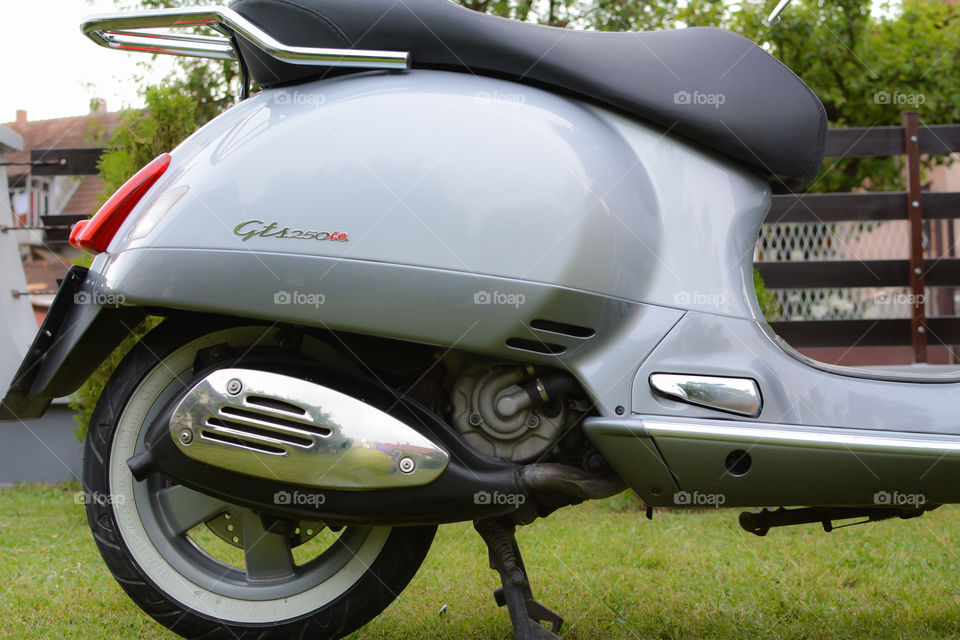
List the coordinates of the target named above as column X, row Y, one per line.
column 60, row 133
column 85, row 198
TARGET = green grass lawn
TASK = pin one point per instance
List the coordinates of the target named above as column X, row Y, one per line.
column 606, row 569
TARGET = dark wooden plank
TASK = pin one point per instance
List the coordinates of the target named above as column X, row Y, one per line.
column 864, row 333
column 918, row 316
column 888, row 141
column 864, row 142
column 834, row 273
column 839, row 207
column 940, row 138
column 938, row 205
column 859, row 207
column 856, row 273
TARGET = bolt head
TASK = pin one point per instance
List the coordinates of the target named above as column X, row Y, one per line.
column 407, row 465
column 186, row 436
column 533, row 422
column 234, row 386
column 475, row 419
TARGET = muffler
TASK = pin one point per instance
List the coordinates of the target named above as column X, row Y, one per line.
column 276, row 427
column 320, row 445
column 325, row 447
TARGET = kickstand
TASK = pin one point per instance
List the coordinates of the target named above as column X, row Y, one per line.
column 526, row 614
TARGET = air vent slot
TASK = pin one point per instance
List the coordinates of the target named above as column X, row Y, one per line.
column 276, row 405
column 562, row 328
column 535, row 346
column 258, row 432
column 240, row 442
column 275, row 420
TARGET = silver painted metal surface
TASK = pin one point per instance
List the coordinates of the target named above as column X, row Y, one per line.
column 584, row 200
column 743, row 464
column 580, row 217
column 735, row 395
column 285, row 429
column 795, row 392
column 122, row 30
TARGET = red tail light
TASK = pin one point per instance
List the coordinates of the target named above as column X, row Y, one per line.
column 95, row 234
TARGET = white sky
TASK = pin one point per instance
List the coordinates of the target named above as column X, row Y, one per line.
column 52, row 70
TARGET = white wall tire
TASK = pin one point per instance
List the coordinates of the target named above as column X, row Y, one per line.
column 335, row 594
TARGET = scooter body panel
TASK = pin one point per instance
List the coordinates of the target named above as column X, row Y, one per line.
column 506, row 205
column 459, row 173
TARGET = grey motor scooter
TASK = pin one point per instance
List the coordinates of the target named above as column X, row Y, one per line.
column 448, row 267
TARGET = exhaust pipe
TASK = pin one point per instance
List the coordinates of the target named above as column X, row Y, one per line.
column 550, row 476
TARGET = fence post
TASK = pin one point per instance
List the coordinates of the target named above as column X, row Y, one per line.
column 918, row 325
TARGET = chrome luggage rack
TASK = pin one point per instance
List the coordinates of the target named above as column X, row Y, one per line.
column 124, row 31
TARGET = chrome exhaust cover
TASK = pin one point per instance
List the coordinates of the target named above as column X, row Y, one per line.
column 285, row 429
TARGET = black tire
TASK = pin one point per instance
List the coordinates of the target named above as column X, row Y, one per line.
column 395, row 564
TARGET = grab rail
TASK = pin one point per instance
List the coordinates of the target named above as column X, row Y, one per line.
column 122, row 31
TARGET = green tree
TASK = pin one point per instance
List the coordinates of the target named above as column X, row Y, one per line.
column 142, row 135
column 867, row 69
column 214, row 85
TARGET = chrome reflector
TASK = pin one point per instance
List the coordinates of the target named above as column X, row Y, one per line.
column 734, row 395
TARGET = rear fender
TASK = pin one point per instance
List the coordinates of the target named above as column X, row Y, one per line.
column 77, row 335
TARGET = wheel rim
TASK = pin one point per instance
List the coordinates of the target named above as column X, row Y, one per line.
column 162, row 524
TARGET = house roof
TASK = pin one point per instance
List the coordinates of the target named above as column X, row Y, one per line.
column 86, row 197
column 59, row 133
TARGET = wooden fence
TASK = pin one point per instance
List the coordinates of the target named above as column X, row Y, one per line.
column 914, row 205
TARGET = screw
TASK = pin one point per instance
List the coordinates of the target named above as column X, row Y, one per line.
column 913, row 138
column 234, row 386
column 533, row 422
column 186, row 436
column 407, row 465
column 915, row 203
column 620, row 411
column 921, row 330
column 475, row 419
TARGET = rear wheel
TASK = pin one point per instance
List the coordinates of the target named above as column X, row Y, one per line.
column 207, row 568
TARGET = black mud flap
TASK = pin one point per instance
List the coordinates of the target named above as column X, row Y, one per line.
column 76, row 336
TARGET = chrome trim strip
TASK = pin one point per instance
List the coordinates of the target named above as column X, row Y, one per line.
column 734, row 395
column 809, row 437
column 121, row 31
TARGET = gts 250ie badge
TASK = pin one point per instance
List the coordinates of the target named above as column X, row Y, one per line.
column 258, row 228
